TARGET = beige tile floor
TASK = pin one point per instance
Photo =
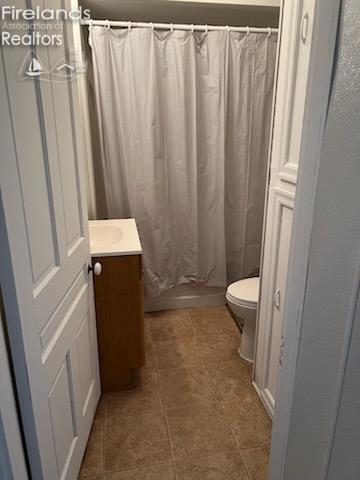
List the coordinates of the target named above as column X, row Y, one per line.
column 193, row 414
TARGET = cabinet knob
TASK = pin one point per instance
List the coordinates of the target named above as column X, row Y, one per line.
column 97, row 268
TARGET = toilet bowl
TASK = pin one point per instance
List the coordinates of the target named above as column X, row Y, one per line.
column 242, row 298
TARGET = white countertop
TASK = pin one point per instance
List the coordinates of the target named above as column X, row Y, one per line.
column 114, row 238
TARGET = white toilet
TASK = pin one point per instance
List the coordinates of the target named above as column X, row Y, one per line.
column 242, row 298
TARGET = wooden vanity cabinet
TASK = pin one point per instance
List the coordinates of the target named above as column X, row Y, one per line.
column 120, row 319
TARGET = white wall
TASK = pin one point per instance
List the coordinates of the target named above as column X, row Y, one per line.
column 321, row 444
column 223, row 12
column 345, row 458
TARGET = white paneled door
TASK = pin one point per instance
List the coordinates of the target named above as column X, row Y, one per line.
column 48, row 293
column 293, row 69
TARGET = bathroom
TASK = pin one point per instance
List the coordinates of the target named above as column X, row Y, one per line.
column 159, row 261
column 186, row 156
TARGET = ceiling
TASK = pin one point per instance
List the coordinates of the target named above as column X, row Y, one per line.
column 211, row 12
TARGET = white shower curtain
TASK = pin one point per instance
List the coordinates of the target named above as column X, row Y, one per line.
column 184, row 126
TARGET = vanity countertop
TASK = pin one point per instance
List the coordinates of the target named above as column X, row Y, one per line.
column 114, row 238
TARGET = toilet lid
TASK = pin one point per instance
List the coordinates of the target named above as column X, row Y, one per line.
column 246, row 290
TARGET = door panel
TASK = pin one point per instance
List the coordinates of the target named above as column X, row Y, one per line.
column 61, row 414
column 47, row 291
column 66, row 141
column 83, row 349
column 37, row 202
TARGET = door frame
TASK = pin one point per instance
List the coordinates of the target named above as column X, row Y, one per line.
column 322, row 54
column 12, row 458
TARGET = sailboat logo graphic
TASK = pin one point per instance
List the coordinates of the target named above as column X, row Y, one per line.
column 34, row 68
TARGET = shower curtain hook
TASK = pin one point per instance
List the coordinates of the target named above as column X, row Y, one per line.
column 171, row 27
column 227, row 28
column 152, row 26
column 269, row 32
column 192, row 28
column 247, row 30
column 129, row 25
column 90, row 24
column 107, row 24
column 206, row 29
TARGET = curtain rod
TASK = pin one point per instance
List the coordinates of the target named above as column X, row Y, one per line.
column 170, row 26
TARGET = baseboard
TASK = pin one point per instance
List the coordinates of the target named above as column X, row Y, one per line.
column 264, row 400
column 180, row 298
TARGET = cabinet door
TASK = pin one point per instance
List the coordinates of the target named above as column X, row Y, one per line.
column 120, row 319
column 291, row 87
column 294, row 57
column 276, row 255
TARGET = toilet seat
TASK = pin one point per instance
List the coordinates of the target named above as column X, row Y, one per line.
column 244, row 292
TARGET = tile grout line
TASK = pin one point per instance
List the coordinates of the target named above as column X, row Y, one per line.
column 197, row 341
column 229, row 427
column 217, row 399
column 163, row 406
column 202, row 358
column 199, row 363
column 129, row 469
column 237, row 447
column 140, row 414
column 162, row 411
column 205, row 365
column 245, row 465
